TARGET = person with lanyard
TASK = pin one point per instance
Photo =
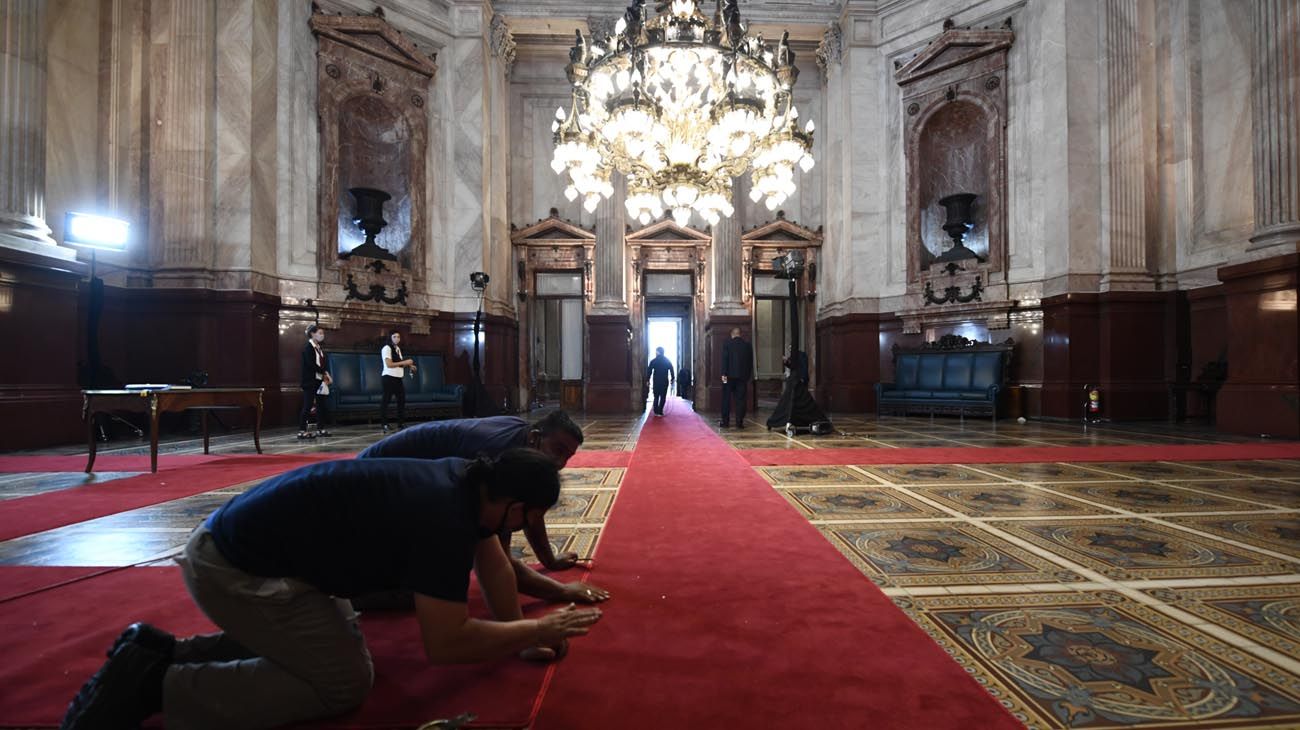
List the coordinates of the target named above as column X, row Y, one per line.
column 316, row 382
column 394, row 372
column 555, row 435
column 660, row 371
column 271, row 569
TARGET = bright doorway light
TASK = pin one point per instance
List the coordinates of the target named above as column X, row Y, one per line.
column 664, row 332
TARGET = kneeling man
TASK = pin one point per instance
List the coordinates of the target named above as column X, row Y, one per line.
column 555, row 435
column 272, row 566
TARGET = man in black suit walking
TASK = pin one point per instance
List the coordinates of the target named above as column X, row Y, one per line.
column 737, row 369
column 660, row 372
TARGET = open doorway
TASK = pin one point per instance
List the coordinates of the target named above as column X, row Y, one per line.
column 665, row 332
column 668, row 325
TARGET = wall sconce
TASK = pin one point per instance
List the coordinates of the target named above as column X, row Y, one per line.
column 521, row 269
column 479, row 281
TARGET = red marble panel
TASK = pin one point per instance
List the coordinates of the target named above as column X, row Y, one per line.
column 848, row 362
column 609, row 365
column 1135, row 357
column 42, row 331
column 1262, row 395
column 1071, row 353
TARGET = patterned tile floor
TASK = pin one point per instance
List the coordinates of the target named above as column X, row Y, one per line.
column 1091, row 595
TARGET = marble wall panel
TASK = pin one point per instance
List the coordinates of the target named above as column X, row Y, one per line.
column 1212, row 144
column 71, row 114
column 467, row 221
column 297, row 160
column 232, row 217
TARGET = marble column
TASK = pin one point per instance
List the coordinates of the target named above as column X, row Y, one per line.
column 611, row 251
column 183, row 142
column 1276, row 123
column 726, row 264
column 1124, row 265
column 22, row 130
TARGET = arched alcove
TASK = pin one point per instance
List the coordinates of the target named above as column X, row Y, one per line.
column 952, row 158
column 375, row 151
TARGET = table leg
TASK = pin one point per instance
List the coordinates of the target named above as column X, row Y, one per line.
column 204, row 411
column 257, row 425
column 153, row 433
column 90, row 440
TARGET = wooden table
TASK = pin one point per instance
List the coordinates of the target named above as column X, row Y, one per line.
column 154, row 402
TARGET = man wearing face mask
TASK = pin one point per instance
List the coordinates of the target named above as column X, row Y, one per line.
column 271, row 567
column 555, row 435
column 316, row 381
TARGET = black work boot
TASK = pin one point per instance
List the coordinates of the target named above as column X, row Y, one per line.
column 122, row 694
column 150, row 637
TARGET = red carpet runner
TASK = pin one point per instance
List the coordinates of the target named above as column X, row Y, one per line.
column 1021, row 454
column 731, row 611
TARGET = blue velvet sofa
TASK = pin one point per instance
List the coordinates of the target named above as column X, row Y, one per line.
column 358, row 391
column 953, row 375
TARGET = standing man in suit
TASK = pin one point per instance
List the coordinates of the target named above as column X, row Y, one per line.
column 737, row 369
column 315, row 383
column 660, row 372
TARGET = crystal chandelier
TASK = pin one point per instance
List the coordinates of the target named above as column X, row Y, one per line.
column 680, row 104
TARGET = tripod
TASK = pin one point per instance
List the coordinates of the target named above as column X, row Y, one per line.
column 478, row 403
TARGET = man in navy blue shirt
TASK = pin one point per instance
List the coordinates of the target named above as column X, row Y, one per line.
column 555, row 435
column 273, row 566
column 660, row 372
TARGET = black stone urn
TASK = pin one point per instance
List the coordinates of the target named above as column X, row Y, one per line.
column 960, row 220
column 369, row 217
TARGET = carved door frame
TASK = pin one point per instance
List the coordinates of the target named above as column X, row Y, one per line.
column 758, row 247
column 665, row 247
column 551, row 245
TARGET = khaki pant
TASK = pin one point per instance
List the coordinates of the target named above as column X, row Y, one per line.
column 287, row 651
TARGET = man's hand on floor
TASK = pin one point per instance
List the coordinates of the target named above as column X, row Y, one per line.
column 563, row 561
column 582, row 593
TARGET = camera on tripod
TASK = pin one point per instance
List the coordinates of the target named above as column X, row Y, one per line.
column 788, row 265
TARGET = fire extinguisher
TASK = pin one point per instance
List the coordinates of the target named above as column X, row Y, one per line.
column 1092, row 406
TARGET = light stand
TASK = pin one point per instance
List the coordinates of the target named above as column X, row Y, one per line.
column 94, row 232
column 478, row 403
column 790, row 267
column 796, row 410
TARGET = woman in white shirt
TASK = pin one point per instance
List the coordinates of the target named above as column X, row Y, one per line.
column 394, row 371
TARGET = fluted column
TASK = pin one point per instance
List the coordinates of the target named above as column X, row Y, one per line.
column 1276, row 81
column 727, row 286
column 1125, row 262
column 22, row 130
column 182, row 169
column 611, row 263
